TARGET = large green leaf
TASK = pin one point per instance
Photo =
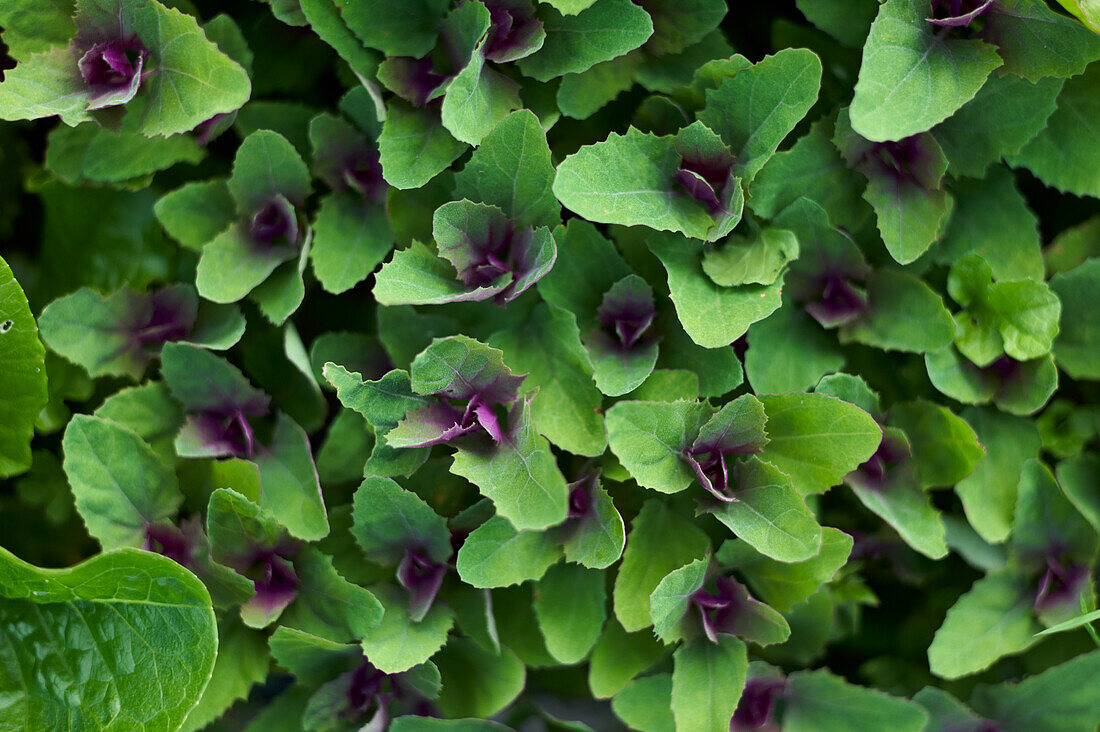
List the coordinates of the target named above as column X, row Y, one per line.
column 618, row 657
column 911, row 77
column 574, row 43
column 570, row 604
column 119, row 483
column 389, row 520
column 789, row 351
column 397, row 643
column 350, row 239
column 23, row 362
column 991, row 620
column 1055, row 700
column 125, row 640
column 477, row 682
column 782, row 88
column 707, row 680
column 495, row 554
column 649, row 438
column 414, row 146
column 817, row 439
column 819, row 701
column 659, row 542
column 477, row 99
column 411, row 32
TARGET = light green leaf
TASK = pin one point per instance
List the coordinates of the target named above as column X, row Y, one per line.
column 23, row 389
column 570, row 603
column 780, row 89
column 417, row 276
column 520, row 475
column 1055, row 700
column 414, row 146
column 901, row 502
column 196, row 212
column 659, row 542
column 350, row 239
column 477, row 99
column 597, row 540
column 911, row 78
column 327, row 605
column 671, row 599
column 1034, row 41
column 713, row 316
column 119, row 483
column 991, row 620
column 903, row 314
column 819, row 701
column 649, row 437
column 574, row 43
column 290, row 488
column 389, row 520
column 126, row 630
column 496, row 555
column 398, row 644
column 789, row 351
column 232, row 265
column 1077, row 347
column 769, row 514
column 1061, row 155
column 707, row 681
column 43, row 85
column 243, row 660
column 267, row 165
column 547, row 347
column 412, row 32
column 588, row 264
column 630, row 180
column 512, row 169
column 751, row 261
column 817, row 439
column 988, row 494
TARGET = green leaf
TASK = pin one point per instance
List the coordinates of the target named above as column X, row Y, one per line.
column 232, row 265
column 119, row 483
column 520, row 475
column 707, row 680
column 597, row 540
column 649, row 437
column 1052, row 701
column 910, row 78
column 32, row 25
column 414, row 146
column 751, row 261
column 769, row 514
column 992, row 218
column 1045, row 521
column 782, row 88
column 477, row 99
column 477, row 682
column 547, row 347
column 312, row 659
column 90, row 153
column 1034, row 41
column 1031, row 385
column 512, row 169
column 713, row 316
column 243, row 660
column 991, row 620
column 148, row 619
column 575, row 43
column 23, row 362
column 659, row 542
column 267, row 165
column 630, row 180
column 817, row 439
column 789, row 351
column 645, row 704
column 903, row 314
column 496, row 555
column 1060, row 155
column 587, row 266
column 1075, row 348
column 618, row 657
column 582, row 95
column 819, row 701
column 350, row 239
column 43, row 85
column 945, row 448
column 412, row 32
column 151, row 412
column 327, row 21
column 417, row 276
column 327, row 605
column 901, row 502
column 1077, row 476
column 570, row 604
column 785, row 584
column 398, row 644
column 196, row 212
column 671, row 599
column 291, row 489
column 389, row 520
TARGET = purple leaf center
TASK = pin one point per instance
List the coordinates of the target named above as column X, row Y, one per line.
column 362, row 172
column 718, row 611
column 757, row 703
column 838, row 303
column 705, row 179
column 513, row 29
column 627, row 314
column 422, row 578
column 169, row 541
column 1060, row 583
column 274, row 223
column 113, row 65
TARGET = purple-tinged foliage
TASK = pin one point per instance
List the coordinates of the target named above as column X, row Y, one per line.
column 415, row 80
column 706, row 168
column 515, row 31
column 727, row 609
column 275, row 224
column 627, row 311
column 113, row 71
column 756, row 707
column 893, row 451
column 170, row 541
column 910, row 161
column 957, row 13
column 736, row 430
column 422, row 578
column 1062, row 583
column 271, row 570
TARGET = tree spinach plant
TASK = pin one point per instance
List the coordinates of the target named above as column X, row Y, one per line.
column 550, row 365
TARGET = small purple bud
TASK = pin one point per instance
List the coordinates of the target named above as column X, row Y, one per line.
column 170, row 319
column 113, row 71
column 422, row 578
column 365, row 688
column 580, row 502
column 169, row 541
column 710, row 468
column 757, row 704
column 514, row 31
column 705, row 179
column 1060, row 583
column 838, row 304
column 627, row 311
column 230, row 432
column 362, row 172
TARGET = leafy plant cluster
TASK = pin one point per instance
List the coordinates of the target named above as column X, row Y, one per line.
column 571, row 364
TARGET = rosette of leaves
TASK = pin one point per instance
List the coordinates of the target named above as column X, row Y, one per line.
column 123, row 59
column 1046, row 581
column 120, row 334
column 923, row 446
column 480, row 253
column 249, row 228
